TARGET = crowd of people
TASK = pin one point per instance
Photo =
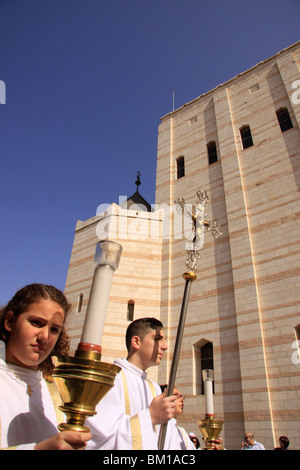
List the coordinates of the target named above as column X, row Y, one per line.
column 249, row 443
column 129, row 416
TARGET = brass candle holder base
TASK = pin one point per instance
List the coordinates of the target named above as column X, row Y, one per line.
column 210, row 429
column 82, row 381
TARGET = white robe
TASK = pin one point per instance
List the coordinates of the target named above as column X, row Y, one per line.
column 123, row 420
column 24, row 420
column 177, row 437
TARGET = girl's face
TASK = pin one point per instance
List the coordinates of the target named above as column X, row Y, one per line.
column 33, row 334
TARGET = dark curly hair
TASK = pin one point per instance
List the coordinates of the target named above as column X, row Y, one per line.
column 20, row 303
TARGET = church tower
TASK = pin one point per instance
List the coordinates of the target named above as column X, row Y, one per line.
column 135, row 290
column 241, row 143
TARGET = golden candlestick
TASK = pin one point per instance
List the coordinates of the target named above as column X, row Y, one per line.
column 210, row 428
column 83, row 380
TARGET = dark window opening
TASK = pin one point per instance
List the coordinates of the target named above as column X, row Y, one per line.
column 130, row 310
column 79, row 303
column 246, row 137
column 284, row 119
column 180, row 167
column 207, row 362
column 212, row 152
column 297, row 331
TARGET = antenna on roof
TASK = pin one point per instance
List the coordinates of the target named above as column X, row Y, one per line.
column 173, row 99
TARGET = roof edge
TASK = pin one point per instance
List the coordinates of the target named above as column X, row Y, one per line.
column 232, row 79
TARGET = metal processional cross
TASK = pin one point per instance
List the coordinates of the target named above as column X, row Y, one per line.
column 199, row 224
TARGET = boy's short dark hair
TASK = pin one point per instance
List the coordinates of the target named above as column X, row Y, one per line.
column 141, row 327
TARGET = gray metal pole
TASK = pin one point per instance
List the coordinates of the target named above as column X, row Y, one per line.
column 189, row 277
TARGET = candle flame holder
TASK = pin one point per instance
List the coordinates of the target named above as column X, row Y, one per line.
column 210, row 428
column 82, row 382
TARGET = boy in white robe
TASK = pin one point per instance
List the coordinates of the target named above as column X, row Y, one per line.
column 129, row 416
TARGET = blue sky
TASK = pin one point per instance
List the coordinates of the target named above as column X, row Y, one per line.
column 87, row 82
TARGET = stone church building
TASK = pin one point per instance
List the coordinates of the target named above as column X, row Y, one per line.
column 240, row 142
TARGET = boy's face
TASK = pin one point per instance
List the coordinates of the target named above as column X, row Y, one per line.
column 179, row 403
column 151, row 348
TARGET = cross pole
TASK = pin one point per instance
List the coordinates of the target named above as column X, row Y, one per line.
column 199, row 224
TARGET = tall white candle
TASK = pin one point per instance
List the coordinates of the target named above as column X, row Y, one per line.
column 208, row 391
column 107, row 259
column 96, row 312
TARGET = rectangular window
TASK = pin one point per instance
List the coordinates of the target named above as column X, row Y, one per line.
column 284, row 119
column 203, row 359
column 246, row 137
column 79, row 303
column 212, row 152
column 180, row 167
column 130, row 310
column 207, row 361
column 296, row 346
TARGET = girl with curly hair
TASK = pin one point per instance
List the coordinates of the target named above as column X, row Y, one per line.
column 31, row 332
